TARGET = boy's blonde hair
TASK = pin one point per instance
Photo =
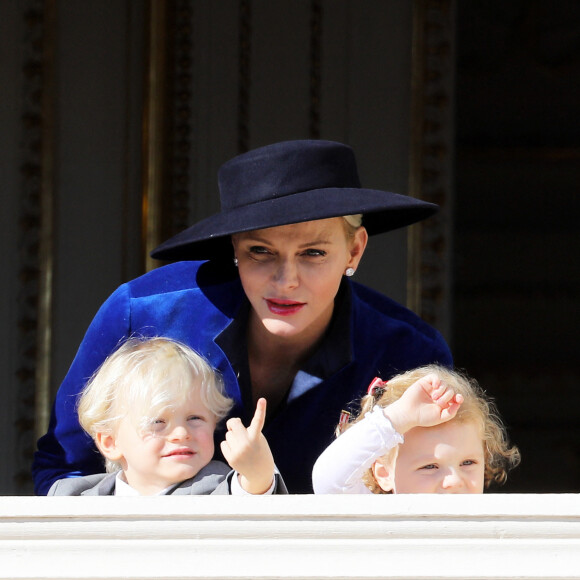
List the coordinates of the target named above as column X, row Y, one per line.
column 500, row 456
column 145, row 377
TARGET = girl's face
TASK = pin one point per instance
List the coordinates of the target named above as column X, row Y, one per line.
column 175, row 447
column 291, row 274
column 448, row 458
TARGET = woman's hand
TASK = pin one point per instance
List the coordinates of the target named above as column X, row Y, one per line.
column 425, row 403
column 248, row 452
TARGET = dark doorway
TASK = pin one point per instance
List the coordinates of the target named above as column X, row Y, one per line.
column 517, row 264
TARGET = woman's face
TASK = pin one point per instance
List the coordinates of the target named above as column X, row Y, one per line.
column 291, row 274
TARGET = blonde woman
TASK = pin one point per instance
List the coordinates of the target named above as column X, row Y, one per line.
column 264, row 290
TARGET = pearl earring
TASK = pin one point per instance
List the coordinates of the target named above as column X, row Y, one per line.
column 349, row 272
column 236, row 262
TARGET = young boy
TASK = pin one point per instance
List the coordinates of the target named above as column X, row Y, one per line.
column 152, row 408
column 429, row 430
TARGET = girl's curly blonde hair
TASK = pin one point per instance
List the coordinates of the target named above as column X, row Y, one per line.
column 477, row 406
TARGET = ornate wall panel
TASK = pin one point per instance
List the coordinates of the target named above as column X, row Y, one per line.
column 36, row 222
column 429, row 278
column 79, row 124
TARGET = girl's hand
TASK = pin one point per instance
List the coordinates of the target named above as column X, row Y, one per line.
column 425, row 403
column 248, row 452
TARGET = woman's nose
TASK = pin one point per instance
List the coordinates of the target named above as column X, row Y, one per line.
column 287, row 274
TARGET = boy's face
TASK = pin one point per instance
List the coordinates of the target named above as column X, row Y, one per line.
column 176, row 447
column 448, row 458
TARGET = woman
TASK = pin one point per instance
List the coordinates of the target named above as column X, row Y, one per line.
column 272, row 308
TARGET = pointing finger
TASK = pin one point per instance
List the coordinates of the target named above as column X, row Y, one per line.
column 259, row 418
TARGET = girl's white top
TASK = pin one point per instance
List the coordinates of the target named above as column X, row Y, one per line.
column 341, row 466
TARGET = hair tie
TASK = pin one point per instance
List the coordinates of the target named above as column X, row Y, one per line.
column 342, row 422
column 377, row 387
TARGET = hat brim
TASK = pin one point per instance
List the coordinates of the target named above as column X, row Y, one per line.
column 382, row 211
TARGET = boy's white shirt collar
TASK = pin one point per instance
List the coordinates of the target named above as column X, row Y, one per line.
column 122, row 488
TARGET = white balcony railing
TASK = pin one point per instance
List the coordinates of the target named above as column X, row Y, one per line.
column 406, row 536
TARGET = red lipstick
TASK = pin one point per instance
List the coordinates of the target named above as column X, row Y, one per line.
column 284, row 307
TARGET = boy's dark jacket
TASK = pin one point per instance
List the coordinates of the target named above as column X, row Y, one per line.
column 193, row 302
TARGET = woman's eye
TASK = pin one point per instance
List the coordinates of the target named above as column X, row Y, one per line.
column 259, row 253
column 315, row 253
column 258, row 250
column 469, row 462
column 195, row 418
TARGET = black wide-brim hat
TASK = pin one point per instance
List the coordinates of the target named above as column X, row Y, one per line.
column 287, row 183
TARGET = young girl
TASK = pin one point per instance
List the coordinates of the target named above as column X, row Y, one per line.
column 429, row 430
column 152, row 409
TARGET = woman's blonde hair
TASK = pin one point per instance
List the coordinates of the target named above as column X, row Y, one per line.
column 500, row 456
column 352, row 223
column 145, row 377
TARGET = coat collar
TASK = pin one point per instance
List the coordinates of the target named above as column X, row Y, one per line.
column 334, row 352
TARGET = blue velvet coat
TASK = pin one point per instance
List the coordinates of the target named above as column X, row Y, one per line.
column 196, row 301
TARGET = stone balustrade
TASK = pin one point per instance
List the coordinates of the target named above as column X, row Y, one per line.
column 292, row 537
